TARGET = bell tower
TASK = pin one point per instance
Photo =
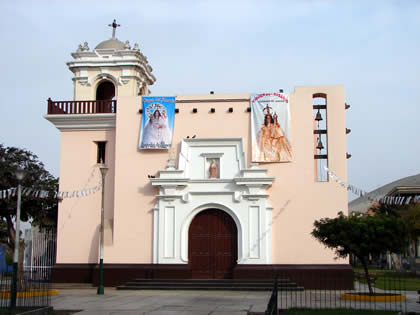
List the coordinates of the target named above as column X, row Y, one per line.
column 111, row 69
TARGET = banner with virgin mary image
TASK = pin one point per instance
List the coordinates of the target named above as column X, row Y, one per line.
column 157, row 122
column 270, row 128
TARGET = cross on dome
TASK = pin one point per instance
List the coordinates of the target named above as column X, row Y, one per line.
column 114, row 27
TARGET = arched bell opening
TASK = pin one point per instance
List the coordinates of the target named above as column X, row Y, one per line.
column 105, row 91
column 319, row 101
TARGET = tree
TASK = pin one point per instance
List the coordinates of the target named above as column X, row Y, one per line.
column 36, row 177
column 410, row 217
column 361, row 236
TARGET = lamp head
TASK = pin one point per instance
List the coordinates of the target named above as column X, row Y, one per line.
column 103, row 169
column 20, row 174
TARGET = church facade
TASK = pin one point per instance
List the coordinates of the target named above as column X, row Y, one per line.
column 205, row 205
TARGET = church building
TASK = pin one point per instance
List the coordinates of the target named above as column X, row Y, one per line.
column 214, row 186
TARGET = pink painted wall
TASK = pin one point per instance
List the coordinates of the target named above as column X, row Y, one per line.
column 296, row 199
column 79, row 218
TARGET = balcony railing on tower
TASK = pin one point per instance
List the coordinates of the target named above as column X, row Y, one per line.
column 82, row 107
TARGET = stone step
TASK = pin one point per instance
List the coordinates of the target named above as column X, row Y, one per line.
column 69, row 286
column 208, row 284
column 213, row 288
column 212, row 280
column 211, row 284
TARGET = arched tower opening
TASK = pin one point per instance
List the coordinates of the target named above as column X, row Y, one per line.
column 105, row 91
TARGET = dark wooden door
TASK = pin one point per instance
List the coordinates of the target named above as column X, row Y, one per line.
column 212, row 245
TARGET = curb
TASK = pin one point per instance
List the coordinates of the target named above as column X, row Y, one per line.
column 368, row 298
column 26, row 294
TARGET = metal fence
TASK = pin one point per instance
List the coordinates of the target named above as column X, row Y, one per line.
column 32, row 290
column 389, row 294
column 33, row 285
column 40, row 252
column 272, row 307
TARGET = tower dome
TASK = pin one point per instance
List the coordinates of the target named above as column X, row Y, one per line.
column 115, row 66
column 112, row 43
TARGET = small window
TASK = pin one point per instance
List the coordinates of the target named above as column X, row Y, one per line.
column 100, row 159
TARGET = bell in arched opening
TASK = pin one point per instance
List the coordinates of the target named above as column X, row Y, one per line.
column 319, row 146
column 318, row 116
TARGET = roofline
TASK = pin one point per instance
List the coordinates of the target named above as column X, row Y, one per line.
column 406, row 190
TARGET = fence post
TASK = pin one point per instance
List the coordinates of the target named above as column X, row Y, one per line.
column 272, row 307
column 276, row 294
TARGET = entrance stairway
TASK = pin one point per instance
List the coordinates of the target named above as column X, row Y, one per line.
column 209, row 284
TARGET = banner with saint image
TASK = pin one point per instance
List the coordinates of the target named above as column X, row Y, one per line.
column 157, row 122
column 270, row 128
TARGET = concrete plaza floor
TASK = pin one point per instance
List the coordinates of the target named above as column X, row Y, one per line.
column 160, row 302
column 170, row 302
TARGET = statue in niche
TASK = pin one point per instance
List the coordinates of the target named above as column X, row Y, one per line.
column 213, row 169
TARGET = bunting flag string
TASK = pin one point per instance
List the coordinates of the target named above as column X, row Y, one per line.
column 34, row 193
column 389, row 200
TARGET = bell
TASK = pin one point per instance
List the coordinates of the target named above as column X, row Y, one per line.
column 319, row 146
column 318, row 116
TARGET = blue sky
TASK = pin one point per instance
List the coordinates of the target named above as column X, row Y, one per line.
column 370, row 47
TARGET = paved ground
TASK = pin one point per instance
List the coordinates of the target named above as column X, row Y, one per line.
column 155, row 302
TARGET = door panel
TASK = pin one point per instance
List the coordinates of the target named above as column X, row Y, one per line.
column 212, row 245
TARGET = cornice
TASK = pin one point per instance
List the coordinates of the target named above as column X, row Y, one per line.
column 214, row 100
column 237, row 180
column 253, row 180
column 143, row 67
column 213, row 141
column 255, row 196
column 169, row 181
column 105, row 63
column 211, row 180
column 76, row 122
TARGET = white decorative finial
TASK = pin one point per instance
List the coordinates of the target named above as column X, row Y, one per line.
column 85, row 46
column 136, row 46
column 171, row 159
column 127, row 45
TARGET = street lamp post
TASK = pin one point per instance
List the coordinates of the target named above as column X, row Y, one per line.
column 20, row 174
column 103, row 170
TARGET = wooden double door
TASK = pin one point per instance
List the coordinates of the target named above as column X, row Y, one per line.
column 212, row 245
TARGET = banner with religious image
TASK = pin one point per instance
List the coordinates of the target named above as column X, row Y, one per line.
column 157, row 122
column 270, row 128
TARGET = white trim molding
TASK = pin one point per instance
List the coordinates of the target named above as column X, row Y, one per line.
column 241, row 193
column 76, row 122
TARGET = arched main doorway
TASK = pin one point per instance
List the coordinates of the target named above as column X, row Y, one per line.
column 212, row 245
